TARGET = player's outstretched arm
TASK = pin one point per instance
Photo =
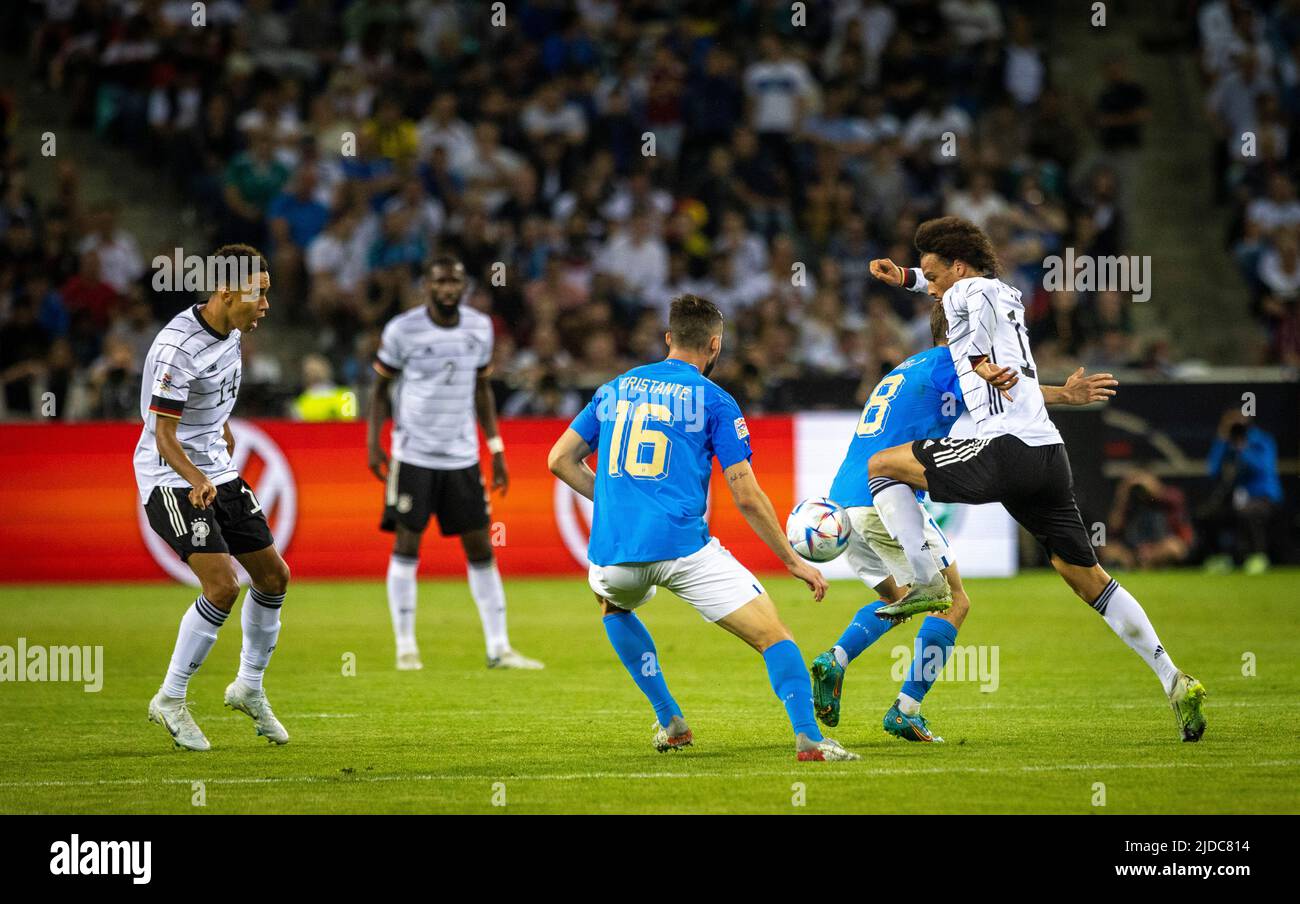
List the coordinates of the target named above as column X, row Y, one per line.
column 892, row 274
column 758, row 511
column 1082, row 390
column 379, row 409
column 568, row 461
column 202, row 492
column 485, row 409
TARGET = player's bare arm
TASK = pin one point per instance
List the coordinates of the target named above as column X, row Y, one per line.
column 758, row 511
column 202, row 492
column 378, row 410
column 1081, row 390
column 485, row 408
column 228, row 437
column 568, row 461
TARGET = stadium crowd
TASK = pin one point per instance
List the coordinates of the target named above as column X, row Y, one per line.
column 1250, row 57
column 588, row 161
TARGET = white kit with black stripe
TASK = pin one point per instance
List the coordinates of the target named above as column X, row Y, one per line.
column 191, row 374
column 987, row 318
column 435, row 369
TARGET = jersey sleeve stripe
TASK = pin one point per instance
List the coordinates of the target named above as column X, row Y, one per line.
column 168, row 407
column 384, row 369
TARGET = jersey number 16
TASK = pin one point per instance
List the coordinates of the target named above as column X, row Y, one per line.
column 640, row 436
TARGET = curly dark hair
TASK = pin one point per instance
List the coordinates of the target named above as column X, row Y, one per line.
column 955, row 239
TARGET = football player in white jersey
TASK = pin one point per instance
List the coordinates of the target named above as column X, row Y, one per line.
column 433, row 364
column 197, row 502
column 1017, row 457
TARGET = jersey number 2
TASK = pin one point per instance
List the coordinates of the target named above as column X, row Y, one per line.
column 639, row 437
column 877, row 410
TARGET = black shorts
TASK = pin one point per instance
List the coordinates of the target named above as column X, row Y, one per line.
column 234, row 523
column 1033, row 483
column 458, row 498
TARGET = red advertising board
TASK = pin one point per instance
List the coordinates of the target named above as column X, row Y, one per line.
column 69, row 510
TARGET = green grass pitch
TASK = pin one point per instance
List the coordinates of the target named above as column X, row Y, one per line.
column 1073, row 709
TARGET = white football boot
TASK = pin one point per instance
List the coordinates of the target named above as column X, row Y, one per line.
column 253, row 703
column 409, row 661
column 173, row 714
column 825, row 750
column 513, row 660
column 674, row 737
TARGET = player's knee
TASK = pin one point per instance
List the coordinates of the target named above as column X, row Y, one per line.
column 222, row 592
column 407, row 545
column 276, row 581
column 478, row 548
column 608, row 608
column 877, row 465
column 960, row 605
column 770, row 636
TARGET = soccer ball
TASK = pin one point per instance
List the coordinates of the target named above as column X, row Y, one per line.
column 818, row 529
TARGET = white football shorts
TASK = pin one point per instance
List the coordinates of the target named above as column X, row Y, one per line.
column 710, row 579
column 874, row 555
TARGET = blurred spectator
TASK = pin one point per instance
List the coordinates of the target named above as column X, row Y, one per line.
column 545, row 399
column 114, row 381
column 120, row 264
column 1247, row 492
column 321, row 398
column 24, row 346
column 1149, row 525
column 353, row 139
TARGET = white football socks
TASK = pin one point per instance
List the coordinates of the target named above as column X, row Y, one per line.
column 490, row 597
column 1126, row 618
column 401, row 601
column 198, row 632
column 260, row 620
column 896, row 504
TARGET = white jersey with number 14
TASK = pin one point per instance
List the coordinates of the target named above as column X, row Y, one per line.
column 987, row 318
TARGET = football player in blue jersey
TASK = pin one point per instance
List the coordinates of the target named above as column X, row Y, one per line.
column 919, row 399
column 656, row 430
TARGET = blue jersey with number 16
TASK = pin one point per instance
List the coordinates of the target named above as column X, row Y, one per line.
column 656, row 430
column 918, row 399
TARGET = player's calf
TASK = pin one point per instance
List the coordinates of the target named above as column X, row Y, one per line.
column 828, row 669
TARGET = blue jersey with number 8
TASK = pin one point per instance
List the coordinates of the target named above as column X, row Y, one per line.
column 918, row 399
column 656, row 430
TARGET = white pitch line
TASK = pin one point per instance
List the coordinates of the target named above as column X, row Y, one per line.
column 847, row 772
